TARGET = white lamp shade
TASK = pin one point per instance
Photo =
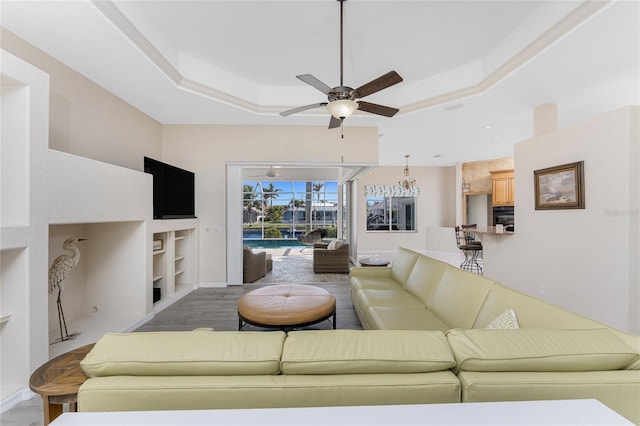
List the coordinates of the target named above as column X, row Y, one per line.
column 342, row 108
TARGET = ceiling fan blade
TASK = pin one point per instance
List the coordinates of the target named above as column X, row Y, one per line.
column 334, row 122
column 377, row 109
column 382, row 82
column 302, row 108
column 314, row 82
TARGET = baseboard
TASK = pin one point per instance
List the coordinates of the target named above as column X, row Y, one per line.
column 213, row 285
column 15, row 398
column 165, row 303
column 139, row 323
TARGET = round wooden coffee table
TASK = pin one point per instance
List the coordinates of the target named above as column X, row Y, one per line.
column 58, row 381
column 286, row 306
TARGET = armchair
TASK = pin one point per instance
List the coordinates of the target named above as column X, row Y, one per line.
column 327, row 260
column 254, row 265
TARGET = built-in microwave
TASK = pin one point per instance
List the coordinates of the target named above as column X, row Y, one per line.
column 503, row 215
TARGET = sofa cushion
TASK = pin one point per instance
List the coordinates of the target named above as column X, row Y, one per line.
column 183, row 353
column 128, row 393
column 531, row 312
column 459, row 297
column 425, row 277
column 539, row 350
column 365, row 352
column 402, row 264
column 401, row 318
column 334, row 245
column 398, row 297
column 373, row 281
column 618, row 389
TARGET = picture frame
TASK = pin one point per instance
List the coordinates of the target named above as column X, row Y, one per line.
column 157, row 245
column 560, row 187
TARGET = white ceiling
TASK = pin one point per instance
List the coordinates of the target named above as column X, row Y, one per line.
column 466, row 65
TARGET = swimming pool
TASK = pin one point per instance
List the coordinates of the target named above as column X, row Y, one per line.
column 272, row 243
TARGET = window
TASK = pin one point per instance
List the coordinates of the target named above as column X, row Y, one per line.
column 391, row 213
column 282, row 210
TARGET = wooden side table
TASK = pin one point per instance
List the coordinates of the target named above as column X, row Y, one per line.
column 58, row 381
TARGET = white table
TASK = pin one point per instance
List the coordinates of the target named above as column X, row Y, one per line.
column 563, row 412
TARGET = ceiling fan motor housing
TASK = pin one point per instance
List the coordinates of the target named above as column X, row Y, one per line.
column 342, row 93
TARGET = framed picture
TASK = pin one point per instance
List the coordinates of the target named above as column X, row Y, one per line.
column 560, row 187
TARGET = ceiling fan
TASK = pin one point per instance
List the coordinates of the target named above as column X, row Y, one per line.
column 271, row 173
column 342, row 100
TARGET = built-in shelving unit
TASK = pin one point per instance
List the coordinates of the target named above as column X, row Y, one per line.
column 175, row 265
column 24, row 190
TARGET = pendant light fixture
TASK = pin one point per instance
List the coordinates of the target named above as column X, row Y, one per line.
column 407, row 182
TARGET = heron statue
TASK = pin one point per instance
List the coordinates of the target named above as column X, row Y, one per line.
column 58, row 271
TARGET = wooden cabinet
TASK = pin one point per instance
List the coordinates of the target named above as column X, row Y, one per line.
column 503, row 188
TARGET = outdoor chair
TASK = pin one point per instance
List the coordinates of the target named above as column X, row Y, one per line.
column 255, row 265
column 327, row 259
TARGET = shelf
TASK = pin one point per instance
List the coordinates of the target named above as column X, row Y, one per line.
column 92, row 327
column 177, row 264
column 4, row 317
column 156, row 252
column 157, row 277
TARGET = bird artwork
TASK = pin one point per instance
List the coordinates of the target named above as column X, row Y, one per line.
column 58, row 271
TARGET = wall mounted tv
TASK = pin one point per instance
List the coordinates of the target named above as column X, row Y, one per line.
column 173, row 190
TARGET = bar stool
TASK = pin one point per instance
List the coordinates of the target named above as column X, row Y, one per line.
column 471, row 250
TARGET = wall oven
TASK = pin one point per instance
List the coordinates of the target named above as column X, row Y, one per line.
column 503, row 215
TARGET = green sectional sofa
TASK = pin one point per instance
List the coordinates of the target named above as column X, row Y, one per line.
column 553, row 353
column 209, row 370
column 433, row 334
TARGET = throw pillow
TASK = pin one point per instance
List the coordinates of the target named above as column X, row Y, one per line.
column 334, row 245
column 506, row 320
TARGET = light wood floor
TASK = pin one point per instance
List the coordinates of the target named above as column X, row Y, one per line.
column 217, row 308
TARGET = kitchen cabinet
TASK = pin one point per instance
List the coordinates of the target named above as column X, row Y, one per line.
column 503, row 187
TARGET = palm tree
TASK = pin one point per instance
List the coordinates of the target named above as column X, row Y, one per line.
column 317, row 187
column 307, row 206
column 270, row 192
column 295, row 205
column 250, row 199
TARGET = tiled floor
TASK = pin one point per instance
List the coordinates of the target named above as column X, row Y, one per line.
column 216, row 308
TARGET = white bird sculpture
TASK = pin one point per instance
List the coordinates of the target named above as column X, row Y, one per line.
column 58, row 271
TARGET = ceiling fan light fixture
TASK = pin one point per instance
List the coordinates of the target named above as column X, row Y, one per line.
column 342, row 108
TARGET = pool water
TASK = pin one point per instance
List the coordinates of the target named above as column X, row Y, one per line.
column 272, row 244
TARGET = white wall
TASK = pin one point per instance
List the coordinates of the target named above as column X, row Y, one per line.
column 587, row 260
column 86, row 119
column 435, row 208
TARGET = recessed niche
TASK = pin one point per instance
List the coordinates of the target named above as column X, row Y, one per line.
column 14, row 162
column 14, row 291
column 106, row 290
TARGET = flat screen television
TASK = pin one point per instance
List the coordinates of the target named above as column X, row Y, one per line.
column 173, row 190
